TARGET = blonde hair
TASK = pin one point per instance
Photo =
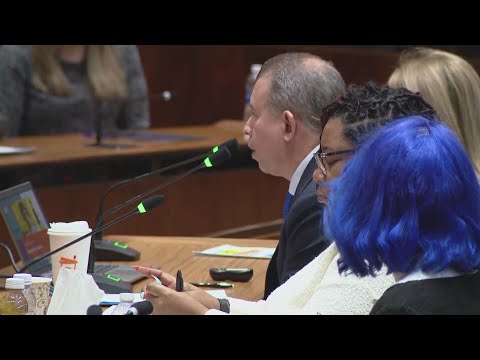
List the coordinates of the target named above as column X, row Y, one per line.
column 451, row 85
column 105, row 74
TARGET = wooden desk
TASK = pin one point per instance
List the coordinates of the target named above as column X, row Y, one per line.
column 65, row 149
column 69, row 178
column 173, row 253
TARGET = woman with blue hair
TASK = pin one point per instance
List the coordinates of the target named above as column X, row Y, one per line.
column 408, row 199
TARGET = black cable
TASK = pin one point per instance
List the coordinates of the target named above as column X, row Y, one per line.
column 12, row 260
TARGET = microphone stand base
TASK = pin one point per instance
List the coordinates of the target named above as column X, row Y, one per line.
column 111, row 286
column 107, row 250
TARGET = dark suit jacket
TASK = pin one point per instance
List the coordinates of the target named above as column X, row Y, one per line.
column 301, row 238
column 457, row 295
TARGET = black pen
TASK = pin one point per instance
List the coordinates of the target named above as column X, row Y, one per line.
column 179, row 286
column 213, row 284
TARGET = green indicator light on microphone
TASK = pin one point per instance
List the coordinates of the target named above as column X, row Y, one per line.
column 120, row 245
column 207, row 162
column 114, row 278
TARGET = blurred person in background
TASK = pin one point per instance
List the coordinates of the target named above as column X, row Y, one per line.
column 55, row 89
column 451, row 85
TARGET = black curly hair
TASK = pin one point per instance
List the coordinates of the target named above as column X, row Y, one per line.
column 362, row 109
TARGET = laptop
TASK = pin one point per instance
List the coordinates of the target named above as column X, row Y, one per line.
column 27, row 227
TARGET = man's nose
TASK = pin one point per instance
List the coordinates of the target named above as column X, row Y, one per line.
column 247, row 130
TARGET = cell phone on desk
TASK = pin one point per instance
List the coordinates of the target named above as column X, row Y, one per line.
column 232, row 274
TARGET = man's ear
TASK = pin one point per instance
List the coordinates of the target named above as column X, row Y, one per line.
column 289, row 125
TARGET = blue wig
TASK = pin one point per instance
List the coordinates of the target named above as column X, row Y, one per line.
column 408, row 199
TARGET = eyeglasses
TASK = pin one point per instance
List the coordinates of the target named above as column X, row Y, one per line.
column 319, row 156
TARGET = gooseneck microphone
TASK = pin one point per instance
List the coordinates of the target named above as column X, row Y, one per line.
column 140, row 308
column 114, row 251
column 232, row 145
column 102, row 108
column 213, row 160
column 219, row 155
column 143, row 207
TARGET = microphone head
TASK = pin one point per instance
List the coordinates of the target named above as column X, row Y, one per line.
column 94, row 310
column 150, row 203
column 232, row 145
column 218, row 157
column 143, row 307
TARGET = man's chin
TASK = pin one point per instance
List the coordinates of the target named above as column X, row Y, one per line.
column 264, row 169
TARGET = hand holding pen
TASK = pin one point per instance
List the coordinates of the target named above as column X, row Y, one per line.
column 164, row 278
column 177, row 283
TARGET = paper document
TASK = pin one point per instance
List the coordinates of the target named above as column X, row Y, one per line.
column 238, row 251
column 10, row 150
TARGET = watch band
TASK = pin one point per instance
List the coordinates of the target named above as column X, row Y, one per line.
column 224, row 305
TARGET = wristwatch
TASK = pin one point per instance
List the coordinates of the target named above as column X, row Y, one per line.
column 224, row 305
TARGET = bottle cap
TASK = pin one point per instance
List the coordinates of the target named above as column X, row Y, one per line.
column 255, row 68
column 26, row 277
column 127, row 297
column 15, row 283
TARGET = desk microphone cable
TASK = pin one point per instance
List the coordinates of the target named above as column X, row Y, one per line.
column 12, row 260
column 17, row 270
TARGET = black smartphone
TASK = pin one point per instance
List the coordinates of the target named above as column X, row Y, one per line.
column 240, row 274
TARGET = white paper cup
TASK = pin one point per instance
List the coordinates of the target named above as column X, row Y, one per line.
column 41, row 290
column 74, row 257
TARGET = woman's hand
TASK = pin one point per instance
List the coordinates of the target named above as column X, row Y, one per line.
column 169, row 281
column 167, row 301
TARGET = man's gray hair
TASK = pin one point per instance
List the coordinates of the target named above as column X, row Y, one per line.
column 302, row 83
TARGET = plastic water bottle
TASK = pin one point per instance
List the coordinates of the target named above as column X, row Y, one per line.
column 12, row 301
column 126, row 300
column 29, row 295
column 252, row 76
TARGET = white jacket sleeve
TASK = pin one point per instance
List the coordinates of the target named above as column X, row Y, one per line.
column 242, row 307
column 317, row 289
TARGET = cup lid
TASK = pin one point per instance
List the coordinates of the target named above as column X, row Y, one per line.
column 14, row 283
column 127, row 297
column 26, row 277
column 71, row 227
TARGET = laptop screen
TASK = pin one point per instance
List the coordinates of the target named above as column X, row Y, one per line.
column 25, row 221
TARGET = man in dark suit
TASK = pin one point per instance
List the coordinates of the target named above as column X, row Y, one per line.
column 283, row 131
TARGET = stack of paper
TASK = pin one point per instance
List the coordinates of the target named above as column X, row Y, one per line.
column 239, row 251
